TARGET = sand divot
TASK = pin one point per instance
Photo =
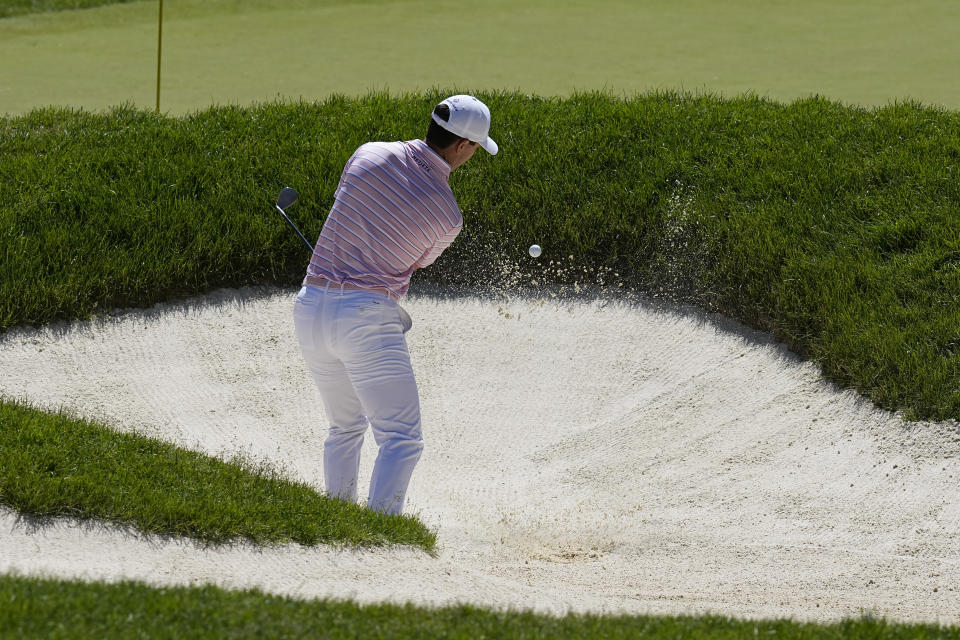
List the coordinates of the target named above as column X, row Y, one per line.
column 580, row 455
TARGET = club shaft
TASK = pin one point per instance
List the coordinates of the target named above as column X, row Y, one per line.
column 294, row 227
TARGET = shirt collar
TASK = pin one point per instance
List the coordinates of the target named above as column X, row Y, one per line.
column 437, row 167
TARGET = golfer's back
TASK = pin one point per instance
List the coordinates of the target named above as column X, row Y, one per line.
column 393, row 212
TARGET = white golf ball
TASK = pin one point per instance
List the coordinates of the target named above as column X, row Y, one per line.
column 535, row 250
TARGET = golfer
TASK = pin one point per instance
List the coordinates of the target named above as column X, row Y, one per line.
column 393, row 213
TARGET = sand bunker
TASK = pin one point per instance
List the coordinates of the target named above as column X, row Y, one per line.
column 580, row 455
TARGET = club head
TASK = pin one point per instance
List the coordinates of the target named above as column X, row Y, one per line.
column 288, row 195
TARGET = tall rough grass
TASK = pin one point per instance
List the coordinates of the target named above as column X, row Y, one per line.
column 60, row 466
column 836, row 228
column 48, row 608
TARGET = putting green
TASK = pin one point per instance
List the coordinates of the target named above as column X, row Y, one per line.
column 229, row 51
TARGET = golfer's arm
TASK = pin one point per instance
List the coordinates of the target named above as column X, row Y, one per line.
column 431, row 254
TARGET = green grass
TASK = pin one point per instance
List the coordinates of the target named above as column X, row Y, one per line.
column 54, row 609
column 835, row 228
column 59, row 466
column 865, row 52
column 21, row 7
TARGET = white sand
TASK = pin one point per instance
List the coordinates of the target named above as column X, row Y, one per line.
column 580, row 456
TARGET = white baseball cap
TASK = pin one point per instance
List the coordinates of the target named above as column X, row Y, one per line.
column 470, row 119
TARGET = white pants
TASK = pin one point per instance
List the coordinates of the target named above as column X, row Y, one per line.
column 354, row 346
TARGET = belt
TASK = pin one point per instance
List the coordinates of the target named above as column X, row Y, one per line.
column 325, row 284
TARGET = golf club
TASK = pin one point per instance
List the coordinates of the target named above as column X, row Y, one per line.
column 289, row 195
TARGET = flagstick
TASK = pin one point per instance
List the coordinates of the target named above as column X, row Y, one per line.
column 159, row 45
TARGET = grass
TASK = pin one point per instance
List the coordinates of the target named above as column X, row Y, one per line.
column 216, row 52
column 835, row 228
column 55, row 609
column 10, row 8
column 59, row 466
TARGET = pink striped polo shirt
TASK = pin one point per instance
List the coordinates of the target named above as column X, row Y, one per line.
column 393, row 212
